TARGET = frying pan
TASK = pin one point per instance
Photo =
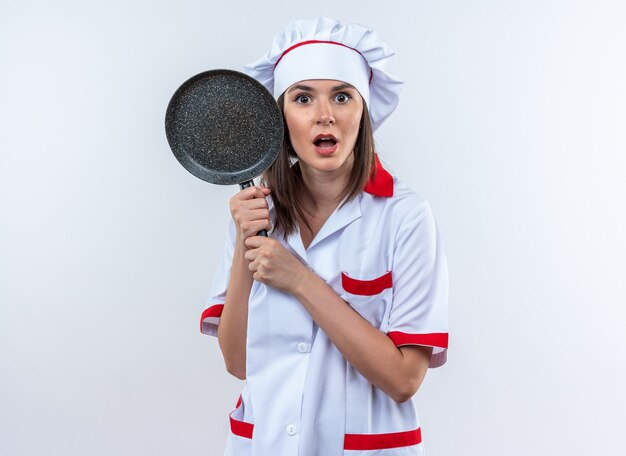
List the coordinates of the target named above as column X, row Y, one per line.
column 224, row 127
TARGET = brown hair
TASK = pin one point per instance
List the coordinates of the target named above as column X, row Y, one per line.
column 285, row 179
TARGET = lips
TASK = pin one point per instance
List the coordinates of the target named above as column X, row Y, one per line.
column 325, row 144
column 325, row 141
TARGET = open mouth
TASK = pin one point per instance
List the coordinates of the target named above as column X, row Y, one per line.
column 325, row 141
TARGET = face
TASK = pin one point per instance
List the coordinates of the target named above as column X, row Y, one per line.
column 323, row 118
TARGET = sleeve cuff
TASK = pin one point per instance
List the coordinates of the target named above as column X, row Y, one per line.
column 439, row 342
column 210, row 319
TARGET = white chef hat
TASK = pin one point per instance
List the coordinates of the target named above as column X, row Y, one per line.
column 323, row 48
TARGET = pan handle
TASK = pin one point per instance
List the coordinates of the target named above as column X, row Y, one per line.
column 247, row 184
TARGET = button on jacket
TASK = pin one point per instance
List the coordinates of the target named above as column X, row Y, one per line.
column 382, row 254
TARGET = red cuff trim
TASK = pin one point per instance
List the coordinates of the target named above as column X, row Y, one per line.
column 382, row 441
column 431, row 340
column 366, row 287
column 213, row 311
column 381, row 182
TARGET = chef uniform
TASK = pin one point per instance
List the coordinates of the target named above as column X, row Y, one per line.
column 380, row 252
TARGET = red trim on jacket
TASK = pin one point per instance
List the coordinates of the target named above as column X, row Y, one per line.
column 213, row 311
column 240, row 428
column 432, row 340
column 382, row 441
column 351, row 441
column 366, row 287
column 381, row 182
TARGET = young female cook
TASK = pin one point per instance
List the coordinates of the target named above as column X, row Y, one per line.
column 334, row 319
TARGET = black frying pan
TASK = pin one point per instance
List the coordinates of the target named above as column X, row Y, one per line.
column 224, row 127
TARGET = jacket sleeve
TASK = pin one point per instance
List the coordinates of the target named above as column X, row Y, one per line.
column 210, row 318
column 419, row 314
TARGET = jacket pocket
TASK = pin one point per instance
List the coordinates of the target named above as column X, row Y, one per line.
column 239, row 442
column 370, row 297
column 366, row 287
column 406, row 443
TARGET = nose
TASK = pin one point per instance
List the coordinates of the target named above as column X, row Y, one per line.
column 325, row 113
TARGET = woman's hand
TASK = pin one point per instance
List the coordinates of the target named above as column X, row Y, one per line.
column 272, row 264
column 250, row 212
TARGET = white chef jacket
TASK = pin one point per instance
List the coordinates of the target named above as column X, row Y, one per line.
column 382, row 254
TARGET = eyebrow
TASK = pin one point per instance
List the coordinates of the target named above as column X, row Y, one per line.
column 311, row 89
column 300, row 87
column 342, row 87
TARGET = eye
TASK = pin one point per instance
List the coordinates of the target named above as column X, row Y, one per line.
column 342, row 98
column 303, row 99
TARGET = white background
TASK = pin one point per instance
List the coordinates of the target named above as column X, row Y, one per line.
column 512, row 124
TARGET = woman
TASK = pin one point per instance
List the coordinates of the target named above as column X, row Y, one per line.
column 334, row 318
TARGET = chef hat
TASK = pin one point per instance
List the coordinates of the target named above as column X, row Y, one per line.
column 323, row 48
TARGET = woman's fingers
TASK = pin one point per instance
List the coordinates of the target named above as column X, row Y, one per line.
column 252, row 192
column 250, row 195
column 249, row 206
column 250, row 255
column 255, row 242
column 259, row 214
column 252, row 227
column 271, row 263
column 256, row 203
column 250, row 211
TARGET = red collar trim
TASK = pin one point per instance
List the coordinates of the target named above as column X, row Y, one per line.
column 381, row 182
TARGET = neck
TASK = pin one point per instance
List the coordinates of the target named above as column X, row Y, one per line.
column 325, row 190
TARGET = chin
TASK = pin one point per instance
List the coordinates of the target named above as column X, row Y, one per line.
column 328, row 162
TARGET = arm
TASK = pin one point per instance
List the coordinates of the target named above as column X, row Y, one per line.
column 231, row 333
column 396, row 371
column 250, row 213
